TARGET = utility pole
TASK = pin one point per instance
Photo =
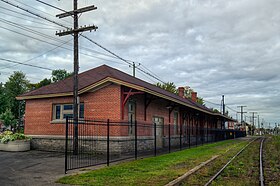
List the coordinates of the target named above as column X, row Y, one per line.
column 223, row 102
column 223, row 105
column 241, row 113
column 253, row 119
column 75, row 32
column 259, row 124
column 133, row 66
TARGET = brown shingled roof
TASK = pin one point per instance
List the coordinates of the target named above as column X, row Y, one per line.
column 100, row 73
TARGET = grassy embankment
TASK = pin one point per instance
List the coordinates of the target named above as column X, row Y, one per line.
column 154, row 170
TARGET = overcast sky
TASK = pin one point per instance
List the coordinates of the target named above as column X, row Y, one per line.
column 216, row 47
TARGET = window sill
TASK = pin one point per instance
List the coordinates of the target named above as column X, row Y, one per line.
column 58, row 121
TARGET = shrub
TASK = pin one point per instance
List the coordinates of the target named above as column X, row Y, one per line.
column 7, row 136
column 8, row 118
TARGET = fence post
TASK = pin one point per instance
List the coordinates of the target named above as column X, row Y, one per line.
column 66, row 145
column 108, row 142
column 155, row 134
column 169, row 139
column 135, row 148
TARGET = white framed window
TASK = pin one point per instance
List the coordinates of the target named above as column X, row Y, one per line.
column 61, row 111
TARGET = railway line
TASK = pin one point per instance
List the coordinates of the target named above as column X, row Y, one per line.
column 261, row 175
column 247, row 165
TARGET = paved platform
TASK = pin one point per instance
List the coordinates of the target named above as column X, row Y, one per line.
column 30, row 168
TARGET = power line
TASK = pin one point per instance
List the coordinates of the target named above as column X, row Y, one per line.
column 211, row 102
column 231, row 109
column 40, row 10
column 107, row 50
column 149, row 70
column 38, row 55
column 32, row 21
column 33, row 13
column 17, row 62
column 115, row 56
column 60, row 46
column 150, row 75
column 50, row 5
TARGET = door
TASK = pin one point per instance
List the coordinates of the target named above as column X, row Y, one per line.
column 159, row 131
column 131, row 117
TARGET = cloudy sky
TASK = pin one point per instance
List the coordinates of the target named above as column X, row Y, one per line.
column 216, row 47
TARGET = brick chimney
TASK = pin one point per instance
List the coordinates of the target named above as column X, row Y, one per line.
column 181, row 91
column 194, row 96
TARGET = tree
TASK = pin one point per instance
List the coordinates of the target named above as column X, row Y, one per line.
column 200, row 100
column 169, row 86
column 8, row 118
column 15, row 86
column 3, row 99
column 61, row 74
column 42, row 83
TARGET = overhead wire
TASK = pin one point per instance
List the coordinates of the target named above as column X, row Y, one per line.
column 40, row 11
column 115, row 56
column 17, row 62
column 38, row 55
column 59, row 24
column 32, row 21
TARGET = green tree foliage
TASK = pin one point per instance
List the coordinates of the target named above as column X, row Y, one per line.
column 3, row 100
column 42, row 83
column 200, row 100
column 8, row 118
column 15, row 86
column 169, row 86
column 61, row 74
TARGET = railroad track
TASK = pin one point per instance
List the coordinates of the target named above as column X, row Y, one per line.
column 261, row 177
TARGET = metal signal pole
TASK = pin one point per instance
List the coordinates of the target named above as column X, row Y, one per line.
column 75, row 32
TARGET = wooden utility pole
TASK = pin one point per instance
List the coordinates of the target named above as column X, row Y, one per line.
column 259, row 124
column 253, row 118
column 241, row 113
column 75, row 32
column 224, row 112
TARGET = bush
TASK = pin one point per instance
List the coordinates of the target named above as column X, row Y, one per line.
column 8, row 118
column 7, row 136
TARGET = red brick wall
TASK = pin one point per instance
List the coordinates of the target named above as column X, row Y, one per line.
column 101, row 104
column 157, row 108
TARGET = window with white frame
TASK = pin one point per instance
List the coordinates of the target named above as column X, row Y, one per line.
column 61, row 111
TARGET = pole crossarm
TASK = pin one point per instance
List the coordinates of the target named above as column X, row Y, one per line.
column 81, row 29
column 78, row 11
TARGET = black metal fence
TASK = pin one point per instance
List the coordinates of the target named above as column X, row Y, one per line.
column 92, row 142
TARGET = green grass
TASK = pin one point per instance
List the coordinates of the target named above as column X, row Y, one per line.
column 152, row 171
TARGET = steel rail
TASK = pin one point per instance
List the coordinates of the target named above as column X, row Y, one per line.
column 261, row 164
column 221, row 170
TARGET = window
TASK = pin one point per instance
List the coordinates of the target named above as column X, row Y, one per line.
column 61, row 111
column 176, row 122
